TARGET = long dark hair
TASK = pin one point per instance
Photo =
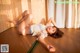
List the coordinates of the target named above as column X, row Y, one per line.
column 58, row 33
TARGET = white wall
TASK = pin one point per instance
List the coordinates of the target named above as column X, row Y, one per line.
column 38, row 10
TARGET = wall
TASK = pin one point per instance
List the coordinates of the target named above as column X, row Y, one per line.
column 10, row 10
column 38, row 10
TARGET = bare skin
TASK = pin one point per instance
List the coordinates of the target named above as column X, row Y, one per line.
column 48, row 46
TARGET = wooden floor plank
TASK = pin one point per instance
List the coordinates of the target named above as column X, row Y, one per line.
column 69, row 43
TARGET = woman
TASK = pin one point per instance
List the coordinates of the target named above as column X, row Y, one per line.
column 26, row 26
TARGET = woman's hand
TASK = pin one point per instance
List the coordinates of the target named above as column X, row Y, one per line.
column 51, row 21
column 51, row 48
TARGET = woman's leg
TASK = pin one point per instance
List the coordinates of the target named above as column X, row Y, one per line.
column 24, row 27
column 21, row 28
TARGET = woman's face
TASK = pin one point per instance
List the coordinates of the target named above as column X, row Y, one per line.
column 51, row 29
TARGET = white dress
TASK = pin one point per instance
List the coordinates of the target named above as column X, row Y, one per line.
column 40, row 28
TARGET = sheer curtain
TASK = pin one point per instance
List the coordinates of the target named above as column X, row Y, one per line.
column 66, row 13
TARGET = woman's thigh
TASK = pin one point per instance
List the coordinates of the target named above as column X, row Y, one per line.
column 27, row 30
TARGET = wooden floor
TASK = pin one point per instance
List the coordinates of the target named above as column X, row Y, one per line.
column 69, row 43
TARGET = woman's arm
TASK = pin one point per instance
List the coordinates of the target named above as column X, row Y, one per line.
column 48, row 46
column 51, row 21
column 42, row 40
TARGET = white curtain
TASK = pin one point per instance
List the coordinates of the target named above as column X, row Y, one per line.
column 65, row 12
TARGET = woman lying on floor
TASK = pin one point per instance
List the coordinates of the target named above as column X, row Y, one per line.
column 26, row 26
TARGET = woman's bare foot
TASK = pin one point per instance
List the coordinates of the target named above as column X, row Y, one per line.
column 14, row 22
column 51, row 48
